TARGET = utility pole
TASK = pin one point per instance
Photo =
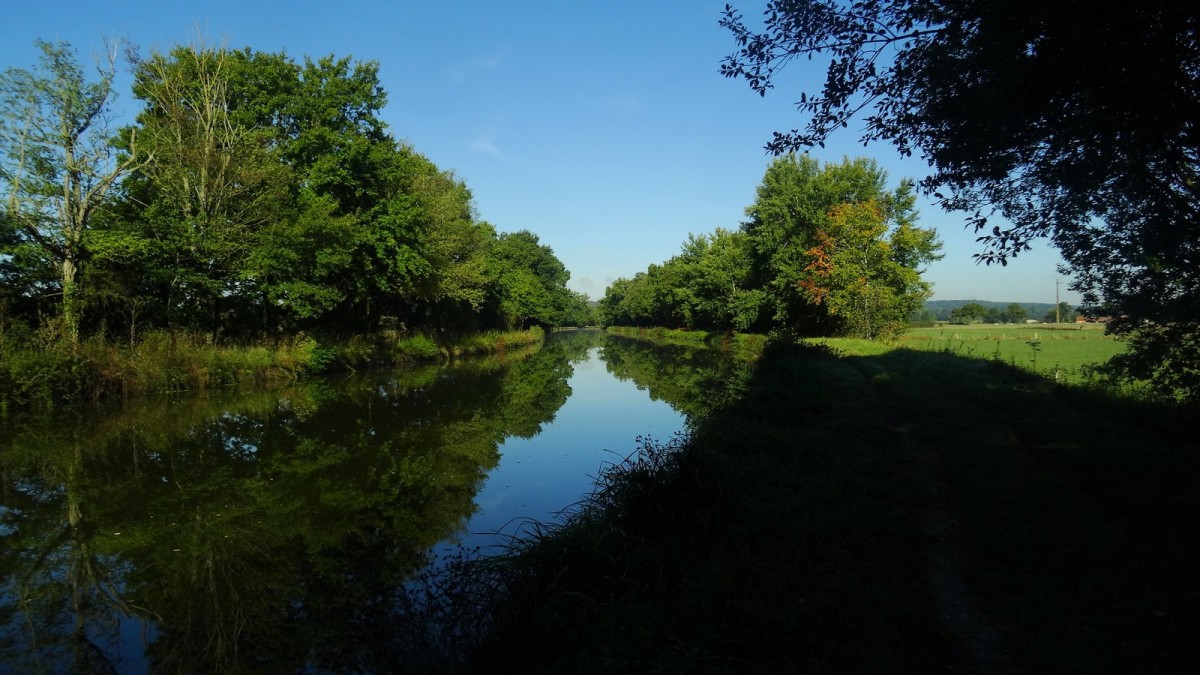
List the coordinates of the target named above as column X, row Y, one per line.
column 1057, row 306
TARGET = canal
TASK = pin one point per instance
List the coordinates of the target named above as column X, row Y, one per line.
column 281, row 530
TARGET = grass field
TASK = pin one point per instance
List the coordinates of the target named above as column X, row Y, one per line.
column 1057, row 352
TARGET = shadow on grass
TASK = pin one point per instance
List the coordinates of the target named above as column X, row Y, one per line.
column 905, row 512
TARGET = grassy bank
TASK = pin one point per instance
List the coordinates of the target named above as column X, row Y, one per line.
column 45, row 371
column 1061, row 353
column 897, row 511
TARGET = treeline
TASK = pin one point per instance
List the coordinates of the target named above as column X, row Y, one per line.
column 982, row 311
column 254, row 197
column 826, row 250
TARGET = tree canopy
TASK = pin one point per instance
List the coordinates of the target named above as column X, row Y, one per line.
column 254, row 195
column 1075, row 120
column 827, row 250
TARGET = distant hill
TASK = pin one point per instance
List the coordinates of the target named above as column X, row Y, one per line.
column 942, row 308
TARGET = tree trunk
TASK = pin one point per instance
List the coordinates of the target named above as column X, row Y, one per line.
column 70, row 302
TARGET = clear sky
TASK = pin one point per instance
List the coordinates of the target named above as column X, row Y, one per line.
column 602, row 126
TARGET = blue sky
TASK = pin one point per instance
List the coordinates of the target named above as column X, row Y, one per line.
column 603, row 127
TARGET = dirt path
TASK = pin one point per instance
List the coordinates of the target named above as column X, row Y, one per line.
column 981, row 646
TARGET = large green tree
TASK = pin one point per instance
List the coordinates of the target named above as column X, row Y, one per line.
column 835, row 251
column 1074, row 120
column 827, row 250
column 656, row 297
column 214, row 190
column 57, row 159
column 277, row 201
column 1015, row 313
column 972, row 312
column 530, row 284
column 254, row 195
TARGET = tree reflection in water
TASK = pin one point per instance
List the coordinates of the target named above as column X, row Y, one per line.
column 273, row 531
column 270, row 530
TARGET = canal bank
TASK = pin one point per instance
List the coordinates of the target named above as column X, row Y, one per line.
column 901, row 512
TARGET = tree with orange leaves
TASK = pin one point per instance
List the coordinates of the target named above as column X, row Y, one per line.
column 837, row 253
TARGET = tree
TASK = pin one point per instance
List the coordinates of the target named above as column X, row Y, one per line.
column 1074, row 120
column 531, row 283
column 972, row 312
column 716, row 269
column 827, row 250
column 278, row 201
column 923, row 317
column 58, row 161
column 644, row 300
column 451, row 275
column 872, row 282
column 1015, row 313
column 578, row 311
column 835, row 251
column 1063, row 314
column 214, row 185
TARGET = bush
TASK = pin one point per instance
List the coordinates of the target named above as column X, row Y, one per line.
column 417, row 347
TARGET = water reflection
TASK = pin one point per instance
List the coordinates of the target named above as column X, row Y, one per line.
column 247, row 529
column 693, row 380
column 270, row 531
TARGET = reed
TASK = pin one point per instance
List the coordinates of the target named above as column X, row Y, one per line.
column 42, row 368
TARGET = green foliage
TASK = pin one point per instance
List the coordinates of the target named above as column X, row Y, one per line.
column 1165, row 357
column 1073, row 121
column 315, row 356
column 1015, row 313
column 836, row 252
column 39, row 373
column 1002, row 311
column 57, row 164
column 972, row 312
column 1064, row 313
column 530, row 284
column 419, row 347
column 493, row 342
column 261, row 197
column 43, row 369
column 826, row 251
column 707, row 286
column 577, row 311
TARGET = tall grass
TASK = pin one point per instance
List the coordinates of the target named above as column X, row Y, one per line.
column 492, row 342
column 42, row 368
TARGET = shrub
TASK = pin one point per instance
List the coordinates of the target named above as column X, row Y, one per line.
column 417, row 347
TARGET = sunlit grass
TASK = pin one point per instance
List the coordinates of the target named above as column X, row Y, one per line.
column 1061, row 353
column 36, row 370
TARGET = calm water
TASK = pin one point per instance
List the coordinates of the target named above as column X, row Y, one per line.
column 277, row 531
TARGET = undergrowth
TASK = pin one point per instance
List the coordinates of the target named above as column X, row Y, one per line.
column 42, row 368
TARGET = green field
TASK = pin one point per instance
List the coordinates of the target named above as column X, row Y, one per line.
column 1058, row 352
